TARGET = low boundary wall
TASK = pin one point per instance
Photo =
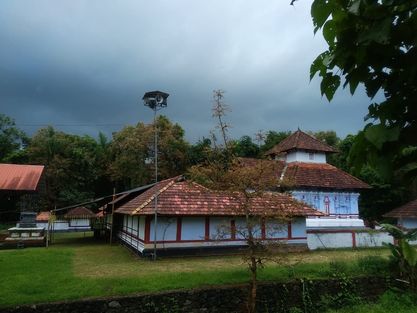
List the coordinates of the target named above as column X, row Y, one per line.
column 349, row 238
column 272, row 297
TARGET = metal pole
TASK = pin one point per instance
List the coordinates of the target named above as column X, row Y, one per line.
column 156, row 181
column 111, row 216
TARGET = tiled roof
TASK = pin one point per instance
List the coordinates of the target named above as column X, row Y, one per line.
column 43, row 216
column 79, row 212
column 407, row 210
column 180, row 197
column 320, row 175
column 20, row 177
column 302, row 141
column 311, row 175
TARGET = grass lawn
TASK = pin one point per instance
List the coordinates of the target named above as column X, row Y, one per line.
column 77, row 267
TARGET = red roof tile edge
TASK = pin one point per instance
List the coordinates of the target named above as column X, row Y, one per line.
column 179, row 197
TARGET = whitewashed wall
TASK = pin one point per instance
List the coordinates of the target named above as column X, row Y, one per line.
column 336, row 202
column 408, row 222
column 306, row 157
column 193, row 228
column 331, row 240
column 166, row 229
column 298, row 228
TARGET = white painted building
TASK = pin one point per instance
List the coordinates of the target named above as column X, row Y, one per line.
column 406, row 215
column 191, row 216
column 304, row 169
column 77, row 219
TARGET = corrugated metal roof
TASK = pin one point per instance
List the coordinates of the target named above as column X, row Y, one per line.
column 20, row 177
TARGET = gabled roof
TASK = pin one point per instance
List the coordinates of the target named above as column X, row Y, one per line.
column 310, row 175
column 300, row 140
column 20, row 177
column 43, row 216
column 407, row 210
column 177, row 196
column 80, row 213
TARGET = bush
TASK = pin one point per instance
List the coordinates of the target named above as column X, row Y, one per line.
column 338, row 267
column 373, row 265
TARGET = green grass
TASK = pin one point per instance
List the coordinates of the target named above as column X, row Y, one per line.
column 389, row 303
column 77, row 267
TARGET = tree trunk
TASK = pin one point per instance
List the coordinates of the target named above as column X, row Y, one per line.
column 251, row 308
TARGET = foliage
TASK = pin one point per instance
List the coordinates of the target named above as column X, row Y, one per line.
column 70, row 165
column 388, row 303
column 404, row 255
column 12, row 140
column 224, row 172
column 373, row 43
column 132, row 153
column 273, row 138
column 245, row 147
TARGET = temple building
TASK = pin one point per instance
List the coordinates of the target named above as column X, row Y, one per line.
column 303, row 167
column 406, row 215
column 193, row 217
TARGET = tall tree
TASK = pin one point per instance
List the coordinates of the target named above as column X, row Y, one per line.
column 132, row 153
column 70, row 165
column 245, row 147
column 374, row 43
column 12, row 140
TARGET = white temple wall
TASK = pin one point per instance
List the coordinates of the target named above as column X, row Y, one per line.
column 166, row 229
column 276, row 229
column 142, row 227
column 298, row 228
column 220, row 228
column 193, row 228
column 334, row 203
column 306, row 157
column 408, row 222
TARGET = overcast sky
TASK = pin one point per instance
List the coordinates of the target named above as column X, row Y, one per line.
column 85, row 65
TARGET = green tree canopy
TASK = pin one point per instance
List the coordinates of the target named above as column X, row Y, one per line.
column 374, row 43
column 12, row 139
column 132, row 152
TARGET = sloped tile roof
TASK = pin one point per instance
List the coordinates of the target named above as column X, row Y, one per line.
column 20, row 177
column 311, row 175
column 180, row 197
column 407, row 210
column 320, row 175
column 79, row 212
column 43, row 216
column 300, row 140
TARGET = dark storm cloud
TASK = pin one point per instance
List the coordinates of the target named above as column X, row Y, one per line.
column 89, row 62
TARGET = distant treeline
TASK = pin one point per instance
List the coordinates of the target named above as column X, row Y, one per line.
column 80, row 168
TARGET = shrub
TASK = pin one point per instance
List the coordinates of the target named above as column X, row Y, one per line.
column 373, row 265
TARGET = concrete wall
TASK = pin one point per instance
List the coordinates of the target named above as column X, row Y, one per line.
column 327, row 239
column 191, row 232
column 409, row 223
column 307, row 157
column 335, row 203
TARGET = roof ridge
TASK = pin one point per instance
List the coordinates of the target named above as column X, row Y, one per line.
column 158, row 192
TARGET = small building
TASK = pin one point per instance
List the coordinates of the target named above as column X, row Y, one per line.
column 76, row 219
column 191, row 216
column 406, row 215
column 302, row 167
column 19, row 186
